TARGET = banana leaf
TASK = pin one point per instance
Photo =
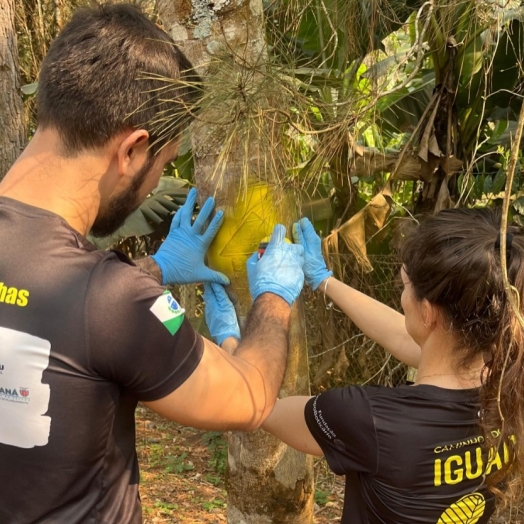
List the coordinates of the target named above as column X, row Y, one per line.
column 169, row 195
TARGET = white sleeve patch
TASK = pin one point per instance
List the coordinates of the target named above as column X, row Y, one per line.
column 168, row 311
column 23, row 397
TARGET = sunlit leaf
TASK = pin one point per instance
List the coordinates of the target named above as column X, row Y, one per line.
column 30, row 89
column 518, row 205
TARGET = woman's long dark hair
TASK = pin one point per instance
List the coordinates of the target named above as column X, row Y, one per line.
column 452, row 259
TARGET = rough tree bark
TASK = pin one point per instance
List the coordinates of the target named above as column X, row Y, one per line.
column 267, row 481
column 12, row 135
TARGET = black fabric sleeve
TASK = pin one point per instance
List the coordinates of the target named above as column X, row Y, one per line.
column 127, row 342
column 341, row 421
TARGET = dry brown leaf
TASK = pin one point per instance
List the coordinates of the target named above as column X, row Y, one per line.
column 353, row 232
column 443, row 199
column 433, row 146
column 409, row 168
column 451, row 165
column 427, row 169
column 377, row 210
column 429, row 130
column 371, row 161
column 331, row 251
column 359, row 149
column 387, row 190
column 414, row 168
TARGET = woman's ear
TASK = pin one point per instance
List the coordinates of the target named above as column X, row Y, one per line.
column 430, row 313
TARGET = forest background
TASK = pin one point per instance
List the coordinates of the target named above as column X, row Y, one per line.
column 361, row 114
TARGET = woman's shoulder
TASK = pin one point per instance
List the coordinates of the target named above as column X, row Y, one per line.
column 423, row 392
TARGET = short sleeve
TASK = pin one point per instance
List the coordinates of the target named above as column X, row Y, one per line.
column 341, row 421
column 137, row 335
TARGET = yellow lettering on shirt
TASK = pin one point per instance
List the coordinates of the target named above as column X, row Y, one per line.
column 13, row 296
column 456, row 475
column 12, row 293
column 469, row 465
column 23, row 298
column 470, row 472
column 438, row 472
column 493, row 460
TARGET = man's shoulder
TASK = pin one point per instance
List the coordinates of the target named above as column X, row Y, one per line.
column 113, row 264
column 114, row 276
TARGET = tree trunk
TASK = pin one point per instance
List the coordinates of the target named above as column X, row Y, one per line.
column 267, row 481
column 12, row 136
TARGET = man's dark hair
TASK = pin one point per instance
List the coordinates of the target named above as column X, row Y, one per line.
column 112, row 69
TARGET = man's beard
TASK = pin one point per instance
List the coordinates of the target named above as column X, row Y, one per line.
column 122, row 205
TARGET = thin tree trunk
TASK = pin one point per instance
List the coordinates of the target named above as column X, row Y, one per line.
column 12, row 135
column 267, row 481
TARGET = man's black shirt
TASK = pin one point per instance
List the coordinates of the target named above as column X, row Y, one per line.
column 84, row 335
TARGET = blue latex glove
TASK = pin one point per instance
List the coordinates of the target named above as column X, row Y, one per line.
column 315, row 268
column 181, row 255
column 221, row 318
column 279, row 271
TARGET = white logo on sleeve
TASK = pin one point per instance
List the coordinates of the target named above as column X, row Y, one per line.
column 23, row 397
column 168, row 311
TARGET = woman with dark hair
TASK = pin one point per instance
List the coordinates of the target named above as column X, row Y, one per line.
column 437, row 450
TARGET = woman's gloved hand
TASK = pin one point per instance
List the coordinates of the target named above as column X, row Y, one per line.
column 315, row 268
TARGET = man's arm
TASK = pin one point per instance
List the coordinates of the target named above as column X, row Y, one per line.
column 238, row 391
column 235, row 391
column 377, row 321
column 286, row 421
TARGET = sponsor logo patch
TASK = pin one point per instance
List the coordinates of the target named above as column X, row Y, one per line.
column 24, row 398
column 14, row 394
column 168, row 311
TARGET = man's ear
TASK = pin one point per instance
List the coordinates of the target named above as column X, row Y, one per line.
column 132, row 153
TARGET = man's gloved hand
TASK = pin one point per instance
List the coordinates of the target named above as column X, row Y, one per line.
column 221, row 318
column 315, row 268
column 279, row 271
column 181, row 255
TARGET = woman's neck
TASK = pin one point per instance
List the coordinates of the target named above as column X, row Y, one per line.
column 468, row 380
column 441, row 365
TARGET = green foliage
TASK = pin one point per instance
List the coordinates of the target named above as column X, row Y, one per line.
column 217, row 446
column 214, row 503
column 357, row 74
column 360, row 73
column 156, row 209
column 321, row 497
column 448, row 82
column 166, row 508
column 178, row 464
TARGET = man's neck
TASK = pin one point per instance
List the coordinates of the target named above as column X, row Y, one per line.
column 68, row 187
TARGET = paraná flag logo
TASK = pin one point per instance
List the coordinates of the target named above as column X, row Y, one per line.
column 168, row 311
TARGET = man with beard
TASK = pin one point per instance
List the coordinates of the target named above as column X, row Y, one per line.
column 85, row 334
